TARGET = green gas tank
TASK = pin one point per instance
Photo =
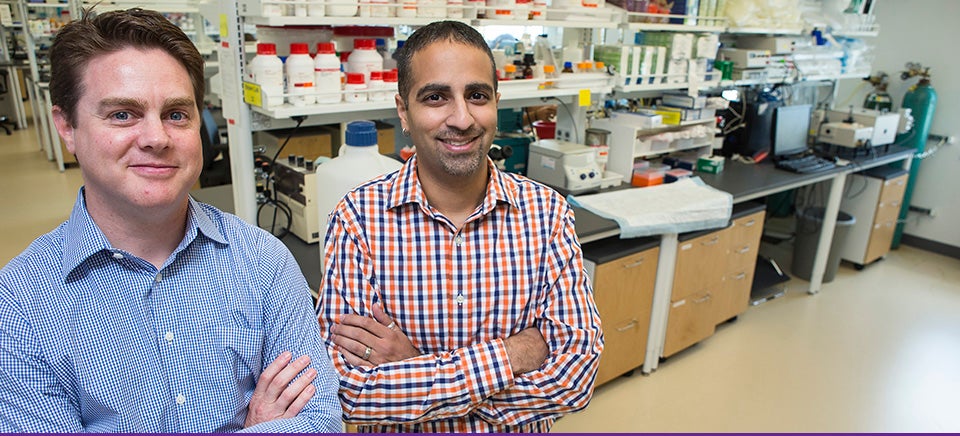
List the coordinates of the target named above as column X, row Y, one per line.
column 922, row 101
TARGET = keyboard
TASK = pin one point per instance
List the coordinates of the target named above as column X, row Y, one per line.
column 805, row 164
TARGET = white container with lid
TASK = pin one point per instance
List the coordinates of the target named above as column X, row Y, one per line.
column 432, row 8
column 266, row 70
column 342, row 8
column 376, row 86
column 364, row 58
column 407, row 8
column 299, row 73
column 326, row 71
column 355, row 91
column 358, row 161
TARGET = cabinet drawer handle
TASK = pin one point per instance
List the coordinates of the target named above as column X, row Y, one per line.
column 745, row 249
column 632, row 324
column 702, row 300
column 750, row 223
column 634, row 264
column 712, row 241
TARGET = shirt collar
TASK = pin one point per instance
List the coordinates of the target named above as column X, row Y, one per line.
column 406, row 188
column 83, row 238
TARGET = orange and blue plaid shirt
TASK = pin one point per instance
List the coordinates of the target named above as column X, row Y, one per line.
column 456, row 293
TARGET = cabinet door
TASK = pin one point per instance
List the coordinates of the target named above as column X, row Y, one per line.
column 891, row 198
column 701, row 263
column 691, row 320
column 623, row 290
column 743, row 242
column 885, row 221
column 880, row 239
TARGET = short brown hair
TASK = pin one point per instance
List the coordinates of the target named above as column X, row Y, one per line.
column 437, row 31
column 94, row 35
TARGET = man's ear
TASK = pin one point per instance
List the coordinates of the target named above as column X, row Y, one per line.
column 402, row 112
column 65, row 128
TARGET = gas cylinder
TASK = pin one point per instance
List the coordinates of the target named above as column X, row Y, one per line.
column 879, row 99
column 921, row 99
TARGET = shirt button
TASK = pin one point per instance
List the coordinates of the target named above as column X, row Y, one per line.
column 181, row 399
column 158, row 278
column 168, row 336
column 117, row 256
column 460, row 299
column 458, row 240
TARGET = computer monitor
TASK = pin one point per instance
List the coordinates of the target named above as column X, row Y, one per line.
column 791, row 127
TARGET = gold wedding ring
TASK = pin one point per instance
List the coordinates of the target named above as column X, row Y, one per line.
column 366, row 353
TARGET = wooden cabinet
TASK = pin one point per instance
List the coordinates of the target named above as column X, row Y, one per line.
column 712, row 279
column 701, row 262
column 733, row 297
column 623, row 290
column 874, row 199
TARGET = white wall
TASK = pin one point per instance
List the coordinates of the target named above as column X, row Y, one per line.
column 927, row 32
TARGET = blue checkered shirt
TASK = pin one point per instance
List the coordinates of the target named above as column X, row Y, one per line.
column 93, row 338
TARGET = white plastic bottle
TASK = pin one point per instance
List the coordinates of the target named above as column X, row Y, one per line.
column 539, row 11
column 364, row 58
column 376, row 86
column 359, row 160
column 523, row 9
column 432, row 8
column 502, row 9
column 266, row 70
column 381, row 8
column 272, row 10
column 316, row 10
column 299, row 74
column 355, row 91
column 342, row 8
column 407, row 8
column 326, row 69
column 389, row 84
column 454, row 8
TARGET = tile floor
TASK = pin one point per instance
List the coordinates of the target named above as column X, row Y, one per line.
column 876, row 350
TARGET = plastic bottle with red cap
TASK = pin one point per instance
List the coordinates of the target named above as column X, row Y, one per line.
column 298, row 69
column 364, row 58
column 327, row 74
column 266, row 70
column 355, row 91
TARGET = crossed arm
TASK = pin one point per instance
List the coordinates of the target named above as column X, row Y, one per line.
column 542, row 370
column 526, row 350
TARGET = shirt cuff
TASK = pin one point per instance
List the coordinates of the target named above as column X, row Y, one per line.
column 487, row 368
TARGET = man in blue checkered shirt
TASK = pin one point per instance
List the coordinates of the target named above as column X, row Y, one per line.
column 147, row 311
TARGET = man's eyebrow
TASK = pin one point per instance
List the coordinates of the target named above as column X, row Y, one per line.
column 121, row 102
column 433, row 88
column 139, row 104
column 178, row 102
column 480, row 86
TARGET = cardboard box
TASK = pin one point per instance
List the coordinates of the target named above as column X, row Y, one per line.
column 309, row 142
column 710, row 164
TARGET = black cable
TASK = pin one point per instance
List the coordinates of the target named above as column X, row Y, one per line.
column 271, row 179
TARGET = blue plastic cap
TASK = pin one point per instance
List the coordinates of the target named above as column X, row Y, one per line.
column 381, row 42
column 361, row 133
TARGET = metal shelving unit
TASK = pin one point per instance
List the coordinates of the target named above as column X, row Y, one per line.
column 244, row 118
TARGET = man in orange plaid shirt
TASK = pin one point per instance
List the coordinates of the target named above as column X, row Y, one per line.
column 454, row 297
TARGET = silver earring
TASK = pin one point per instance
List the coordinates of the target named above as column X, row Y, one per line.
column 405, row 132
